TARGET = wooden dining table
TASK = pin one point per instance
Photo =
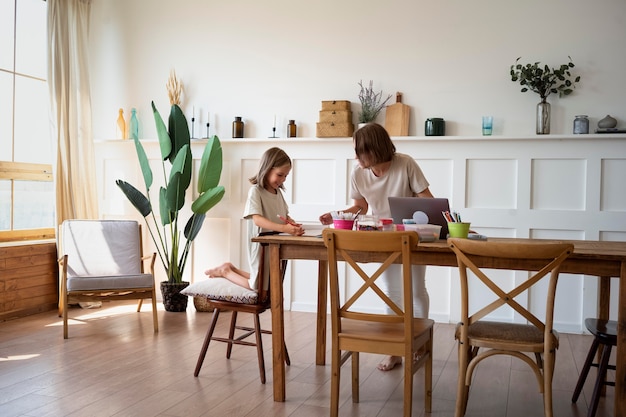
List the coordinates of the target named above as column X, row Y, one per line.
column 602, row 259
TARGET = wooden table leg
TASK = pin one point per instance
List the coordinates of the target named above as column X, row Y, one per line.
column 278, row 323
column 620, row 372
column 322, row 296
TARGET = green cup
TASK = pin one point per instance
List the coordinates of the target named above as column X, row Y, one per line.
column 458, row 229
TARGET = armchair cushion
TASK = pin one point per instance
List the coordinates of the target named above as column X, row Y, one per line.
column 221, row 289
column 86, row 283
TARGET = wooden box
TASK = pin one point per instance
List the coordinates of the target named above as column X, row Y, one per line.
column 336, row 105
column 334, row 130
column 335, row 116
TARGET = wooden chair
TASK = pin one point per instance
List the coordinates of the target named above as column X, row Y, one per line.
column 537, row 338
column 604, row 333
column 397, row 334
column 255, row 305
column 102, row 260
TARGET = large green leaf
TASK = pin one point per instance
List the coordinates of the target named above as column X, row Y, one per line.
column 144, row 164
column 193, row 226
column 165, row 142
column 137, row 199
column 208, row 200
column 175, row 194
column 182, row 166
column 210, row 165
column 178, row 130
column 164, row 212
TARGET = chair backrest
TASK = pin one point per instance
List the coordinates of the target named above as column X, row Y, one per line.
column 546, row 259
column 101, row 247
column 385, row 248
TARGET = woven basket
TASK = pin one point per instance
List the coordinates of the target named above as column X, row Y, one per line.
column 202, row 304
column 334, row 130
column 335, row 116
column 336, row 105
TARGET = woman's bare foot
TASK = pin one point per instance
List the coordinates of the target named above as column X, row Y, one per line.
column 389, row 363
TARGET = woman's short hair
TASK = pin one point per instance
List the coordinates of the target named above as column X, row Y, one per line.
column 373, row 142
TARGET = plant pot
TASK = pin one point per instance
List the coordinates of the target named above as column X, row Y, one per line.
column 173, row 300
column 543, row 117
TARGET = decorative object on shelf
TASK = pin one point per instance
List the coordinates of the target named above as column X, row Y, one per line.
column 238, row 128
column 335, row 119
column 397, row 117
column 193, row 121
column 371, row 102
column 487, row 125
column 172, row 243
column 121, row 125
column 291, row 129
column 134, row 124
column 544, row 81
column 208, row 124
column 273, row 129
column 435, row 126
column 581, row 125
column 607, row 123
column 174, row 89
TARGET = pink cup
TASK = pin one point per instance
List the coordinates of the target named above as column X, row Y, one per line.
column 343, row 224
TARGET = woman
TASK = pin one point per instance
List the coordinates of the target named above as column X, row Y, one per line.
column 382, row 173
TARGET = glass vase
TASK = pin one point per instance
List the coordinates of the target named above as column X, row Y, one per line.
column 543, row 117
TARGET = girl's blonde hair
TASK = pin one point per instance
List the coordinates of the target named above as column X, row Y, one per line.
column 272, row 158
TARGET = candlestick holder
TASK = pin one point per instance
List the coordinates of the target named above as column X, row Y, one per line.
column 193, row 122
column 207, row 130
column 273, row 133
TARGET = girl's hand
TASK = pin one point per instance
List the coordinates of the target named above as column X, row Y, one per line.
column 293, row 229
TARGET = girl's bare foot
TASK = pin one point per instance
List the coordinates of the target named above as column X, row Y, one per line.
column 219, row 271
column 389, row 363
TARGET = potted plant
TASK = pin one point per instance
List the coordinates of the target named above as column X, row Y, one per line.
column 544, row 80
column 371, row 102
column 173, row 243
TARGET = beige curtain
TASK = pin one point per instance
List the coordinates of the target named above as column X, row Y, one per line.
column 68, row 79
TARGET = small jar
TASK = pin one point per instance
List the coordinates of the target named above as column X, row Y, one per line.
column 581, row 125
column 435, row 126
column 238, row 128
column 291, row 129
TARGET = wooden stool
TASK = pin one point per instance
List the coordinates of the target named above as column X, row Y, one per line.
column 605, row 334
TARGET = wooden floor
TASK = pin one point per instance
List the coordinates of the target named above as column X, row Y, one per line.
column 113, row 365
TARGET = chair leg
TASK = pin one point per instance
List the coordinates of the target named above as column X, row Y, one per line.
column 259, row 347
column 207, row 340
column 334, row 380
column 585, row 371
column 155, row 316
column 355, row 377
column 139, row 304
column 597, row 389
column 409, row 365
column 231, row 333
column 548, row 373
column 428, row 375
column 462, row 392
column 287, row 359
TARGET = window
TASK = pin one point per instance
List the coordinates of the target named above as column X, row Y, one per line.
column 26, row 189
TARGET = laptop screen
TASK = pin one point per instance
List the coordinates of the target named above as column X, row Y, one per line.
column 405, row 207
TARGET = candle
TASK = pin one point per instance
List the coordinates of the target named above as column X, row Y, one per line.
column 274, row 120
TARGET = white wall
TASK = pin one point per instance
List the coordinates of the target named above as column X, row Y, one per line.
column 257, row 59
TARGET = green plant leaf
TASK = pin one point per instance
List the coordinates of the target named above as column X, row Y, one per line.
column 210, row 165
column 182, row 165
column 193, row 226
column 137, row 199
column 207, row 200
column 165, row 143
column 175, row 193
column 146, row 171
column 178, row 130
column 164, row 212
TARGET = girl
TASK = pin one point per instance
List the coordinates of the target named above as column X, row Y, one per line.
column 266, row 211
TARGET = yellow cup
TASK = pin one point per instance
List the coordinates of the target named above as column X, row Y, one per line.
column 458, row 229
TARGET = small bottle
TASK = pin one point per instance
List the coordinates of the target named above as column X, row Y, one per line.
column 238, row 128
column 291, row 129
column 121, row 126
column 134, row 124
column 581, row 125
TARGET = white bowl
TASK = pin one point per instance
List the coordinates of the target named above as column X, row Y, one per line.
column 426, row 232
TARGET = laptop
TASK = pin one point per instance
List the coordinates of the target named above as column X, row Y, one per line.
column 405, row 207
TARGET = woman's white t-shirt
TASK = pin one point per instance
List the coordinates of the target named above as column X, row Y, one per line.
column 403, row 179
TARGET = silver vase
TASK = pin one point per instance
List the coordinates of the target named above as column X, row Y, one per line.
column 543, row 117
